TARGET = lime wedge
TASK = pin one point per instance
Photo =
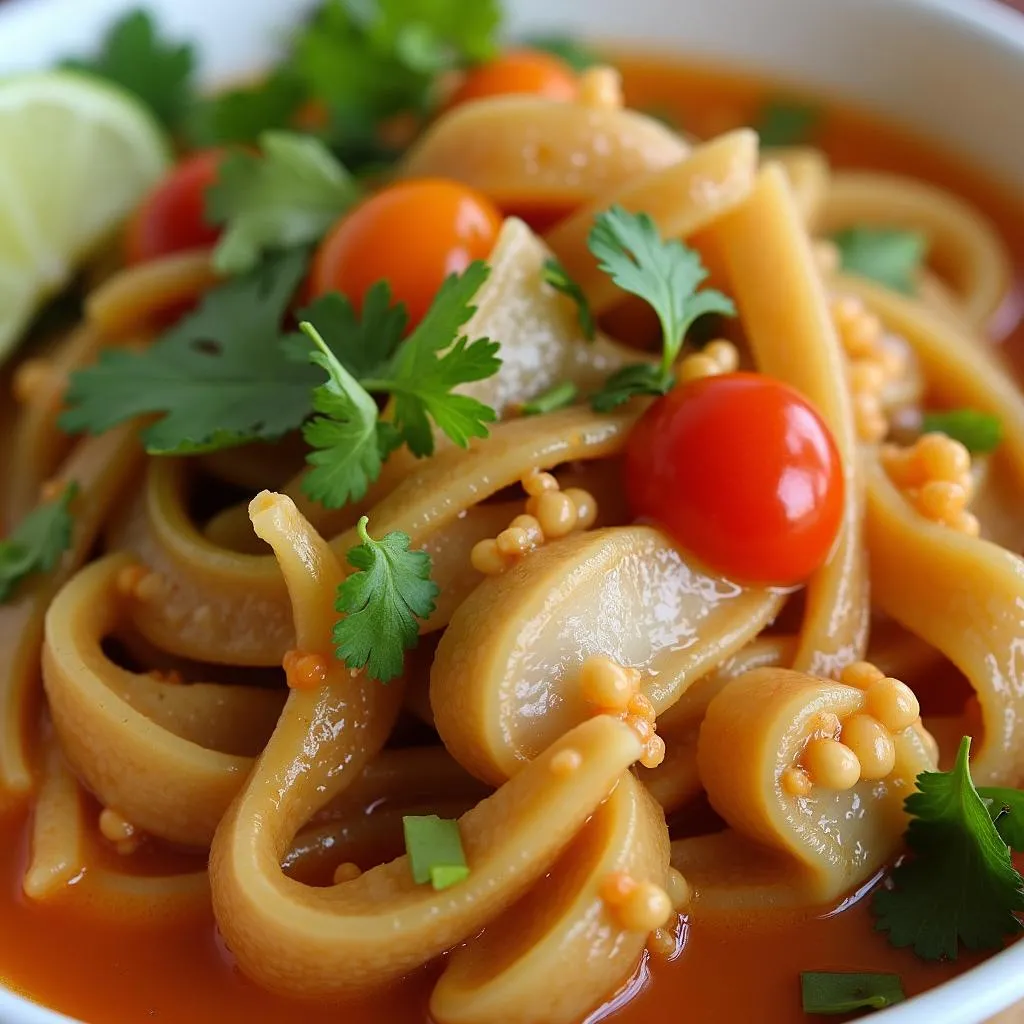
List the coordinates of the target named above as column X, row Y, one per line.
column 76, row 155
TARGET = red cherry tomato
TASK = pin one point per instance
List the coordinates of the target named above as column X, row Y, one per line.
column 519, row 71
column 413, row 234
column 743, row 472
column 172, row 218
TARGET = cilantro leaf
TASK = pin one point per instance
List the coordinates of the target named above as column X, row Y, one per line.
column 890, row 256
column 668, row 276
column 554, row 274
column 576, row 54
column 369, row 60
column 243, row 115
column 364, row 345
column 220, row 376
column 828, row 992
column 1006, row 808
column 978, row 432
column 37, row 543
column 422, row 382
column 287, row 197
column 557, row 397
column 959, row 886
column 134, row 57
column 786, row 123
column 349, row 442
column 381, row 603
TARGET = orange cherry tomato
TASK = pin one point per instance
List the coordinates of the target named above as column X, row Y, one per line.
column 519, row 71
column 412, row 234
column 172, row 217
column 740, row 470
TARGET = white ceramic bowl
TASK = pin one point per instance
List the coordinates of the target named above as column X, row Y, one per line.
column 951, row 69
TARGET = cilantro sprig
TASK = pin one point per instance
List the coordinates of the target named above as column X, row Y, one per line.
column 668, row 276
column 783, row 122
column 959, row 885
column 37, row 543
column 287, row 196
column 381, row 602
column 135, row 57
column 420, row 373
column 220, row 377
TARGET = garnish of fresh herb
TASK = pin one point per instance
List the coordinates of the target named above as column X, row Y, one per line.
column 135, row 57
column 435, row 850
column 220, row 377
column 979, row 432
column 890, row 256
column 554, row 274
column 786, row 123
column 419, row 373
column 828, row 992
column 370, row 61
column 381, row 602
column 958, row 886
column 242, row 115
column 349, row 441
column 557, row 397
column 286, row 197
column 576, row 54
column 668, row 276
column 37, row 543
column 1006, row 808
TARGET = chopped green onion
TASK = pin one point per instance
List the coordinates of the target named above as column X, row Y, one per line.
column 435, row 850
column 554, row 274
column 554, row 398
column 978, row 432
column 847, row 992
column 890, row 256
column 786, row 123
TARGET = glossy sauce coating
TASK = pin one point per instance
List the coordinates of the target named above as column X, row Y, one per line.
column 739, row 971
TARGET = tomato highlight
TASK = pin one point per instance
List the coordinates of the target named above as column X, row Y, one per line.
column 741, row 471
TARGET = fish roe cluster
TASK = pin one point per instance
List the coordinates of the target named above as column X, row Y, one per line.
column 861, row 748
column 614, row 689
column 716, row 357
column 118, row 831
column 550, row 513
column 637, row 906
column 934, row 475
column 872, row 363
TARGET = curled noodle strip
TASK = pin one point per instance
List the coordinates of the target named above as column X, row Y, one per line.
column 170, row 757
column 784, row 849
column 375, row 928
column 61, row 870
column 101, row 467
column 218, row 606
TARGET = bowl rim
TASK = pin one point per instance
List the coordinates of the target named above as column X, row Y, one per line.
column 991, row 986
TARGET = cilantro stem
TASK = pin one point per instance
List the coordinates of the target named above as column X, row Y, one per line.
column 337, row 367
column 361, row 529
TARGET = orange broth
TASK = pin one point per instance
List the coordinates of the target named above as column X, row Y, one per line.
column 740, row 971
